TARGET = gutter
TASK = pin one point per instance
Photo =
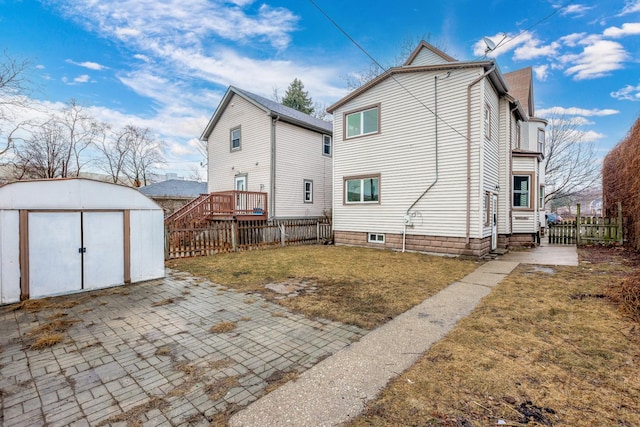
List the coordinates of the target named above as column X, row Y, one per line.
column 407, row 217
column 473, row 83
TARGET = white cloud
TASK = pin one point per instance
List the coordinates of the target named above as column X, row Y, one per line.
column 627, row 93
column 628, row 29
column 572, row 40
column 597, row 59
column 84, row 78
column 525, row 46
column 576, row 9
column 589, row 136
column 541, row 72
column 88, row 64
column 631, row 6
column 40, row 67
column 575, row 111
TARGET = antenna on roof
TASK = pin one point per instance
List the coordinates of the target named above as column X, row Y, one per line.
column 490, row 45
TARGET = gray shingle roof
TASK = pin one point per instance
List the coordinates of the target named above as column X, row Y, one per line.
column 175, row 188
column 284, row 111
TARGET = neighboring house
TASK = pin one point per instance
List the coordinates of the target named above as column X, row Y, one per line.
column 435, row 156
column 173, row 194
column 258, row 145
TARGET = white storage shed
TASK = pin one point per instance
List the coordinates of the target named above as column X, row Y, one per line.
column 68, row 235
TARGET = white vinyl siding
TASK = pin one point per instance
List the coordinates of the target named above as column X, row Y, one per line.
column 427, row 57
column 409, row 168
column 254, row 157
column 490, row 165
column 298, row 158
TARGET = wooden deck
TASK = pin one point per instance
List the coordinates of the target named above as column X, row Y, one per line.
column 225, row 205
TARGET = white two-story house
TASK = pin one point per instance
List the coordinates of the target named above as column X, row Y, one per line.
column 426, row 159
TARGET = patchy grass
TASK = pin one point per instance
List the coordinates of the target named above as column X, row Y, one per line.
column 133, row 416
column 222, row 327
column 166, row 301
column 219, row 388
column 50, row 333
column 541, row 349
column 279, row 378
column 360, row 286
column 36, row 305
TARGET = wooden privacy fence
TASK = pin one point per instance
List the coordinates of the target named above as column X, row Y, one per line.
column 588, row 230
column 231, row 236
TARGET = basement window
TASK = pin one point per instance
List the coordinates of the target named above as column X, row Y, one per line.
column 375, row 238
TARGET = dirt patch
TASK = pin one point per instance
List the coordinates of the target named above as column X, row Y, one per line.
column 219, row 388
column 279, row 378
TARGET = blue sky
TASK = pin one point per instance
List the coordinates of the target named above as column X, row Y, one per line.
column 166, row 64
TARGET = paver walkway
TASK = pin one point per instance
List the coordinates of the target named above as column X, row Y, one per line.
column 337, row 389
column 145, row 352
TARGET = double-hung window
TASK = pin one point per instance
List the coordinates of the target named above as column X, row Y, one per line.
column 522, row 191
column 308, row 191
column 326, row 145
column 235, row 139
column 363, row 122
column 362, row 189
column 541, row 137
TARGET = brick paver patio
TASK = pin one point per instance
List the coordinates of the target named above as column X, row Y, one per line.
column 145, row 355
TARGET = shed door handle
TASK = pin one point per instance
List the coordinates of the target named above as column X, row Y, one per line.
column 82, row 250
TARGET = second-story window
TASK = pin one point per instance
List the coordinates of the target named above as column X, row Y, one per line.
column 541, row 138
column 235, row 139
column 487, row 121
column 326, row 145
column 363, row 122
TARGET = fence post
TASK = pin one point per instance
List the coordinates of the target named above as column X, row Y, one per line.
column 283, row 238
column 166, row 242
column 233, row 236
column 317, row 231
column 620, row 236
column 578, row 225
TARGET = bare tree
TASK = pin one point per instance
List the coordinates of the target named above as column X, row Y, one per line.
column 570, row 160
column 375, row 68
column 144, row 156
column 114, row 148
column 14, row 86
column 42, row 155
column 81, row 130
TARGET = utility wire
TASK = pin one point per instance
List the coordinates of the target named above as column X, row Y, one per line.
column 363, row 50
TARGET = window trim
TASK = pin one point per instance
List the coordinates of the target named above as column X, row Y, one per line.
column 360, row 177
column 487, row 208
column 304, row 191
column 324, row 137
column 529, row 175
column 487, row 120
column 361, row 111
column 239, row 147
column 374, row 238
column 541, row 144
column 541, row 190
column 518, row 135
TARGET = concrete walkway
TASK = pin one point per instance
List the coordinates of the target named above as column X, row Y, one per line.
column 337, row 389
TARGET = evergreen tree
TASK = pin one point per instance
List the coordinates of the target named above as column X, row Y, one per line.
column 296, row 97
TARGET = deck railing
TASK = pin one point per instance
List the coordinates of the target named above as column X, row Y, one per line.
column 242, row 205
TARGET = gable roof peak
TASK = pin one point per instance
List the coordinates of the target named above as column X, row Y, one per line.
column 435, row 54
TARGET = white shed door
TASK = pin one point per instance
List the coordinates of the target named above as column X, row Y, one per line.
column 55, row 264
column 103, row 237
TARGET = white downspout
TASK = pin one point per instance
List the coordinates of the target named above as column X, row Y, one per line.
column 435, row 115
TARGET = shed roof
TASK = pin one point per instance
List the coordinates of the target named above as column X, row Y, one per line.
column 270, row 107
column 176, row 188
column 72, row 194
